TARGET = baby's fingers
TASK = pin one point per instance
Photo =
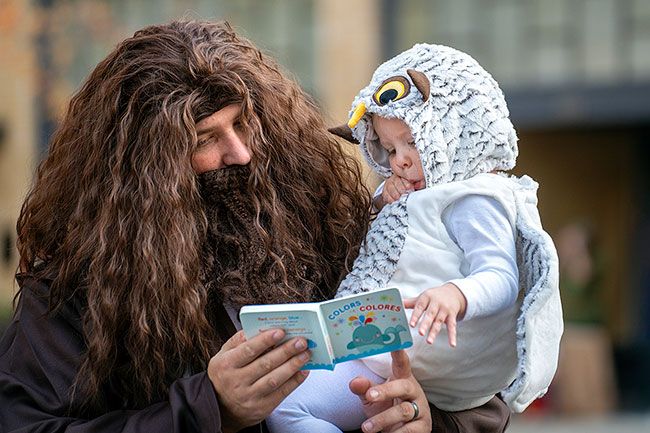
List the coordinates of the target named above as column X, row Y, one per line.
column 409, row 302
column 428, row 320
column 436, row 327
column 404, row 185
column 451, row 330
column 391, row 194
column 419, row 306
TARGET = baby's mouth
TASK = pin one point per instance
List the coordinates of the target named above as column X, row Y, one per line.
column 417, row 184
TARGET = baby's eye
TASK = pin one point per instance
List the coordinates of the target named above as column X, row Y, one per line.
column 411, row 143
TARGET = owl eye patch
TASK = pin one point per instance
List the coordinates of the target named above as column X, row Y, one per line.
column 392, row 89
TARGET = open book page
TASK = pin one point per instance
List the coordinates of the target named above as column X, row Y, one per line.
column 296, row 320
column 366, row 324
column 339, row 330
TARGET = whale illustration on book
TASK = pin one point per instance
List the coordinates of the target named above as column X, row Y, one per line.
column 367, row 336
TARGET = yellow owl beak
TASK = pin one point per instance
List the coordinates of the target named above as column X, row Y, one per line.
column 357, row 115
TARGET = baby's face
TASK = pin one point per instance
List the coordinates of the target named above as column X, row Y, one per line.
column 395, row 136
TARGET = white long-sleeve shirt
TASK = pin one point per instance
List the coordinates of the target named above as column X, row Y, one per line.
column 480, row 227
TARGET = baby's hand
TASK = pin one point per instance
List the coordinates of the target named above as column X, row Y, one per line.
column 444, row 304
column 394, row 187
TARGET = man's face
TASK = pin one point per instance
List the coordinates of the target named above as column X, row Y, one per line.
column 222, row 142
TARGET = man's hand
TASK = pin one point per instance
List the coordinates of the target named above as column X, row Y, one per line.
column 251, row 377
column 394, row 187
column 389, row 406
column 444, row 304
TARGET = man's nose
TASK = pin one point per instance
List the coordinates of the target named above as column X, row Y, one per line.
column 237, row 152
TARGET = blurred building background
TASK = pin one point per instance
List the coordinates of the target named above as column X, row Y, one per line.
column 576, row 74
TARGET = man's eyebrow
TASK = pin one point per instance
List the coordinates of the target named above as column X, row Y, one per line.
column 216, row 124
column 204, row 129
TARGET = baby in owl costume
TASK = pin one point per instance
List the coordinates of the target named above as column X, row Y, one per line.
column 461, row 240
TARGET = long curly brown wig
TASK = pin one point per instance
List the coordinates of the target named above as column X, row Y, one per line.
column 115, row 215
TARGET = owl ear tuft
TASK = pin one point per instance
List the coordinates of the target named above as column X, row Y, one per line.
column 343, row 131
column 421, row 81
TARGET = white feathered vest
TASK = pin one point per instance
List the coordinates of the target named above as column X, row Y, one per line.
column 485, row 362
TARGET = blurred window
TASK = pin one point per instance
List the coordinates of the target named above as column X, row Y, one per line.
column 536, row 43
column 77, row 34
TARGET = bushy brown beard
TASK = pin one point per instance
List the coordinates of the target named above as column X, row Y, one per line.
column 237, row 268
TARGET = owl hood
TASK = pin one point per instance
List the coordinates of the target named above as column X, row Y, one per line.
column 455, row 110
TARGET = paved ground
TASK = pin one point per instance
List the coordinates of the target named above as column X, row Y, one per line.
column 637, row 423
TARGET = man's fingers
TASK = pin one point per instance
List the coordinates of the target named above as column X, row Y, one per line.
column 359, row 386
column 233, row 341
column 403, row 389
column 277, row 378
column 400, row 413
column 276, row 366
column 250, row 350
column 265, row 404
column 399, row 393
column 287, row 387
column 401, row 365
column 412, row 426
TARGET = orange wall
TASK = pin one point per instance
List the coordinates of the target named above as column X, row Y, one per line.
column 586, row 176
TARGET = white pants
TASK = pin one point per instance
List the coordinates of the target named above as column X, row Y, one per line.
column 323, row 403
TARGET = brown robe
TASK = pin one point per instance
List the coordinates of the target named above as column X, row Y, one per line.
column 40, row 355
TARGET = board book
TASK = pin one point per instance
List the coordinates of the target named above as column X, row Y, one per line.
column 337, row 330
